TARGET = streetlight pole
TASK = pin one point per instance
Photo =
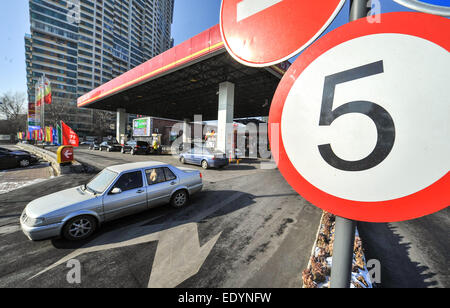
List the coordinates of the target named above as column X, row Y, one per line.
column 345, row 228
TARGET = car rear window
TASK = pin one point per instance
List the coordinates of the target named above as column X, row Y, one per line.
column 142, row 143
column 170, row 176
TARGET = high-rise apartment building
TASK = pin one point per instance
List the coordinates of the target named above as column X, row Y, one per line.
column 81, row 44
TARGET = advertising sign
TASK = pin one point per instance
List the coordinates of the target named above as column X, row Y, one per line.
column 142, row 127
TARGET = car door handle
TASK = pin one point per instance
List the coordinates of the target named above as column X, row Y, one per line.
column 140, row 191
column 172, row 183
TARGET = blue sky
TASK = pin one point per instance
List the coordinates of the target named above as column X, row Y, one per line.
column 190, row 18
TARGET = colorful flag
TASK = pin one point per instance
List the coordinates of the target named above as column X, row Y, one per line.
column 55, row 136
column 38, row 95
column 69, row 137
column 59, row 134
column 47, row 92
column 48, row 134
column 31, row 133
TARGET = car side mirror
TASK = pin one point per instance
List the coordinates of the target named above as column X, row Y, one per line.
column 116, row 191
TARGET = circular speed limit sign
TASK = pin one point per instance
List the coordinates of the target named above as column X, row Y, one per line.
column 361, row 120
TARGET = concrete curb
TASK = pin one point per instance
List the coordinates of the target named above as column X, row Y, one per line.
column 49, row 156
column 314, row 246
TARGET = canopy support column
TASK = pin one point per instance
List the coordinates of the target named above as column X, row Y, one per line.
column 121, row 124
column 225, row 116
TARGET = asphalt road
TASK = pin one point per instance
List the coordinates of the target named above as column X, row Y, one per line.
column 247, row 228
column 104, row 159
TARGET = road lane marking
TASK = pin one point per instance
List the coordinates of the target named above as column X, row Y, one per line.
column 179, row 256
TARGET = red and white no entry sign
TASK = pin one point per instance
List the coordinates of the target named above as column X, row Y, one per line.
column 265, row 32
column 363, row 119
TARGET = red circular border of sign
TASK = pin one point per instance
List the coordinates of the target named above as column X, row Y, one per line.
column 424, row 202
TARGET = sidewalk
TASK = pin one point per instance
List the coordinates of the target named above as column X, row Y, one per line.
column 16, row 178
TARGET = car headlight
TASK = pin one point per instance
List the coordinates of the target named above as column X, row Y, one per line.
column 37, row 221
column 32, row 222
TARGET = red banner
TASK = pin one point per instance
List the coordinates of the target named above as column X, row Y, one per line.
column 47, row 92
column 69, row 137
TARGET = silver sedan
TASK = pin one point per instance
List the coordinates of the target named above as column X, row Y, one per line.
column 115, row 192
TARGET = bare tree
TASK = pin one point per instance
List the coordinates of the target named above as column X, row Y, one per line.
column 13, row 112
column 59, row 111
column 104, row 122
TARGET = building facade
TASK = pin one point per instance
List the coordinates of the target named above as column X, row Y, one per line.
column 80, row 44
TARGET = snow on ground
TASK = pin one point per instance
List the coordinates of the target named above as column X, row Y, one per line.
column 6, row 187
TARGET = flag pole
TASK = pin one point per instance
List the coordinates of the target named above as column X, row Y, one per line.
column 43, row 103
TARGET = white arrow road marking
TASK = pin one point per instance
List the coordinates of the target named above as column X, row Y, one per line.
column 82, row 251
column 247, row 8
column 179, row 256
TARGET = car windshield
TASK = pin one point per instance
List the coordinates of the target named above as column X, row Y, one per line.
column 101, row 181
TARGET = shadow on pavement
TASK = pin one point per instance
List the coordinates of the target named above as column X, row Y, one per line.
column 382, row 242
column 234, row 167
column 206, row 204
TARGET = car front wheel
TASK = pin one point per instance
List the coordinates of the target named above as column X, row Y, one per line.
column 79, row 228
column 24, row 163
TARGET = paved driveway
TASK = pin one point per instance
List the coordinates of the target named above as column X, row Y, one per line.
column 248, row 228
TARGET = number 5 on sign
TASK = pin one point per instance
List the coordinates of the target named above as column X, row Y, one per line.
column 363, row 116
column 381, row 118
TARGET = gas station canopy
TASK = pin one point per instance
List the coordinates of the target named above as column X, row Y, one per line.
column 184, row 81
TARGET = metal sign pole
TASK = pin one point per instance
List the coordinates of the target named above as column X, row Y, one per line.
column 345, row 228
column 342, row 252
